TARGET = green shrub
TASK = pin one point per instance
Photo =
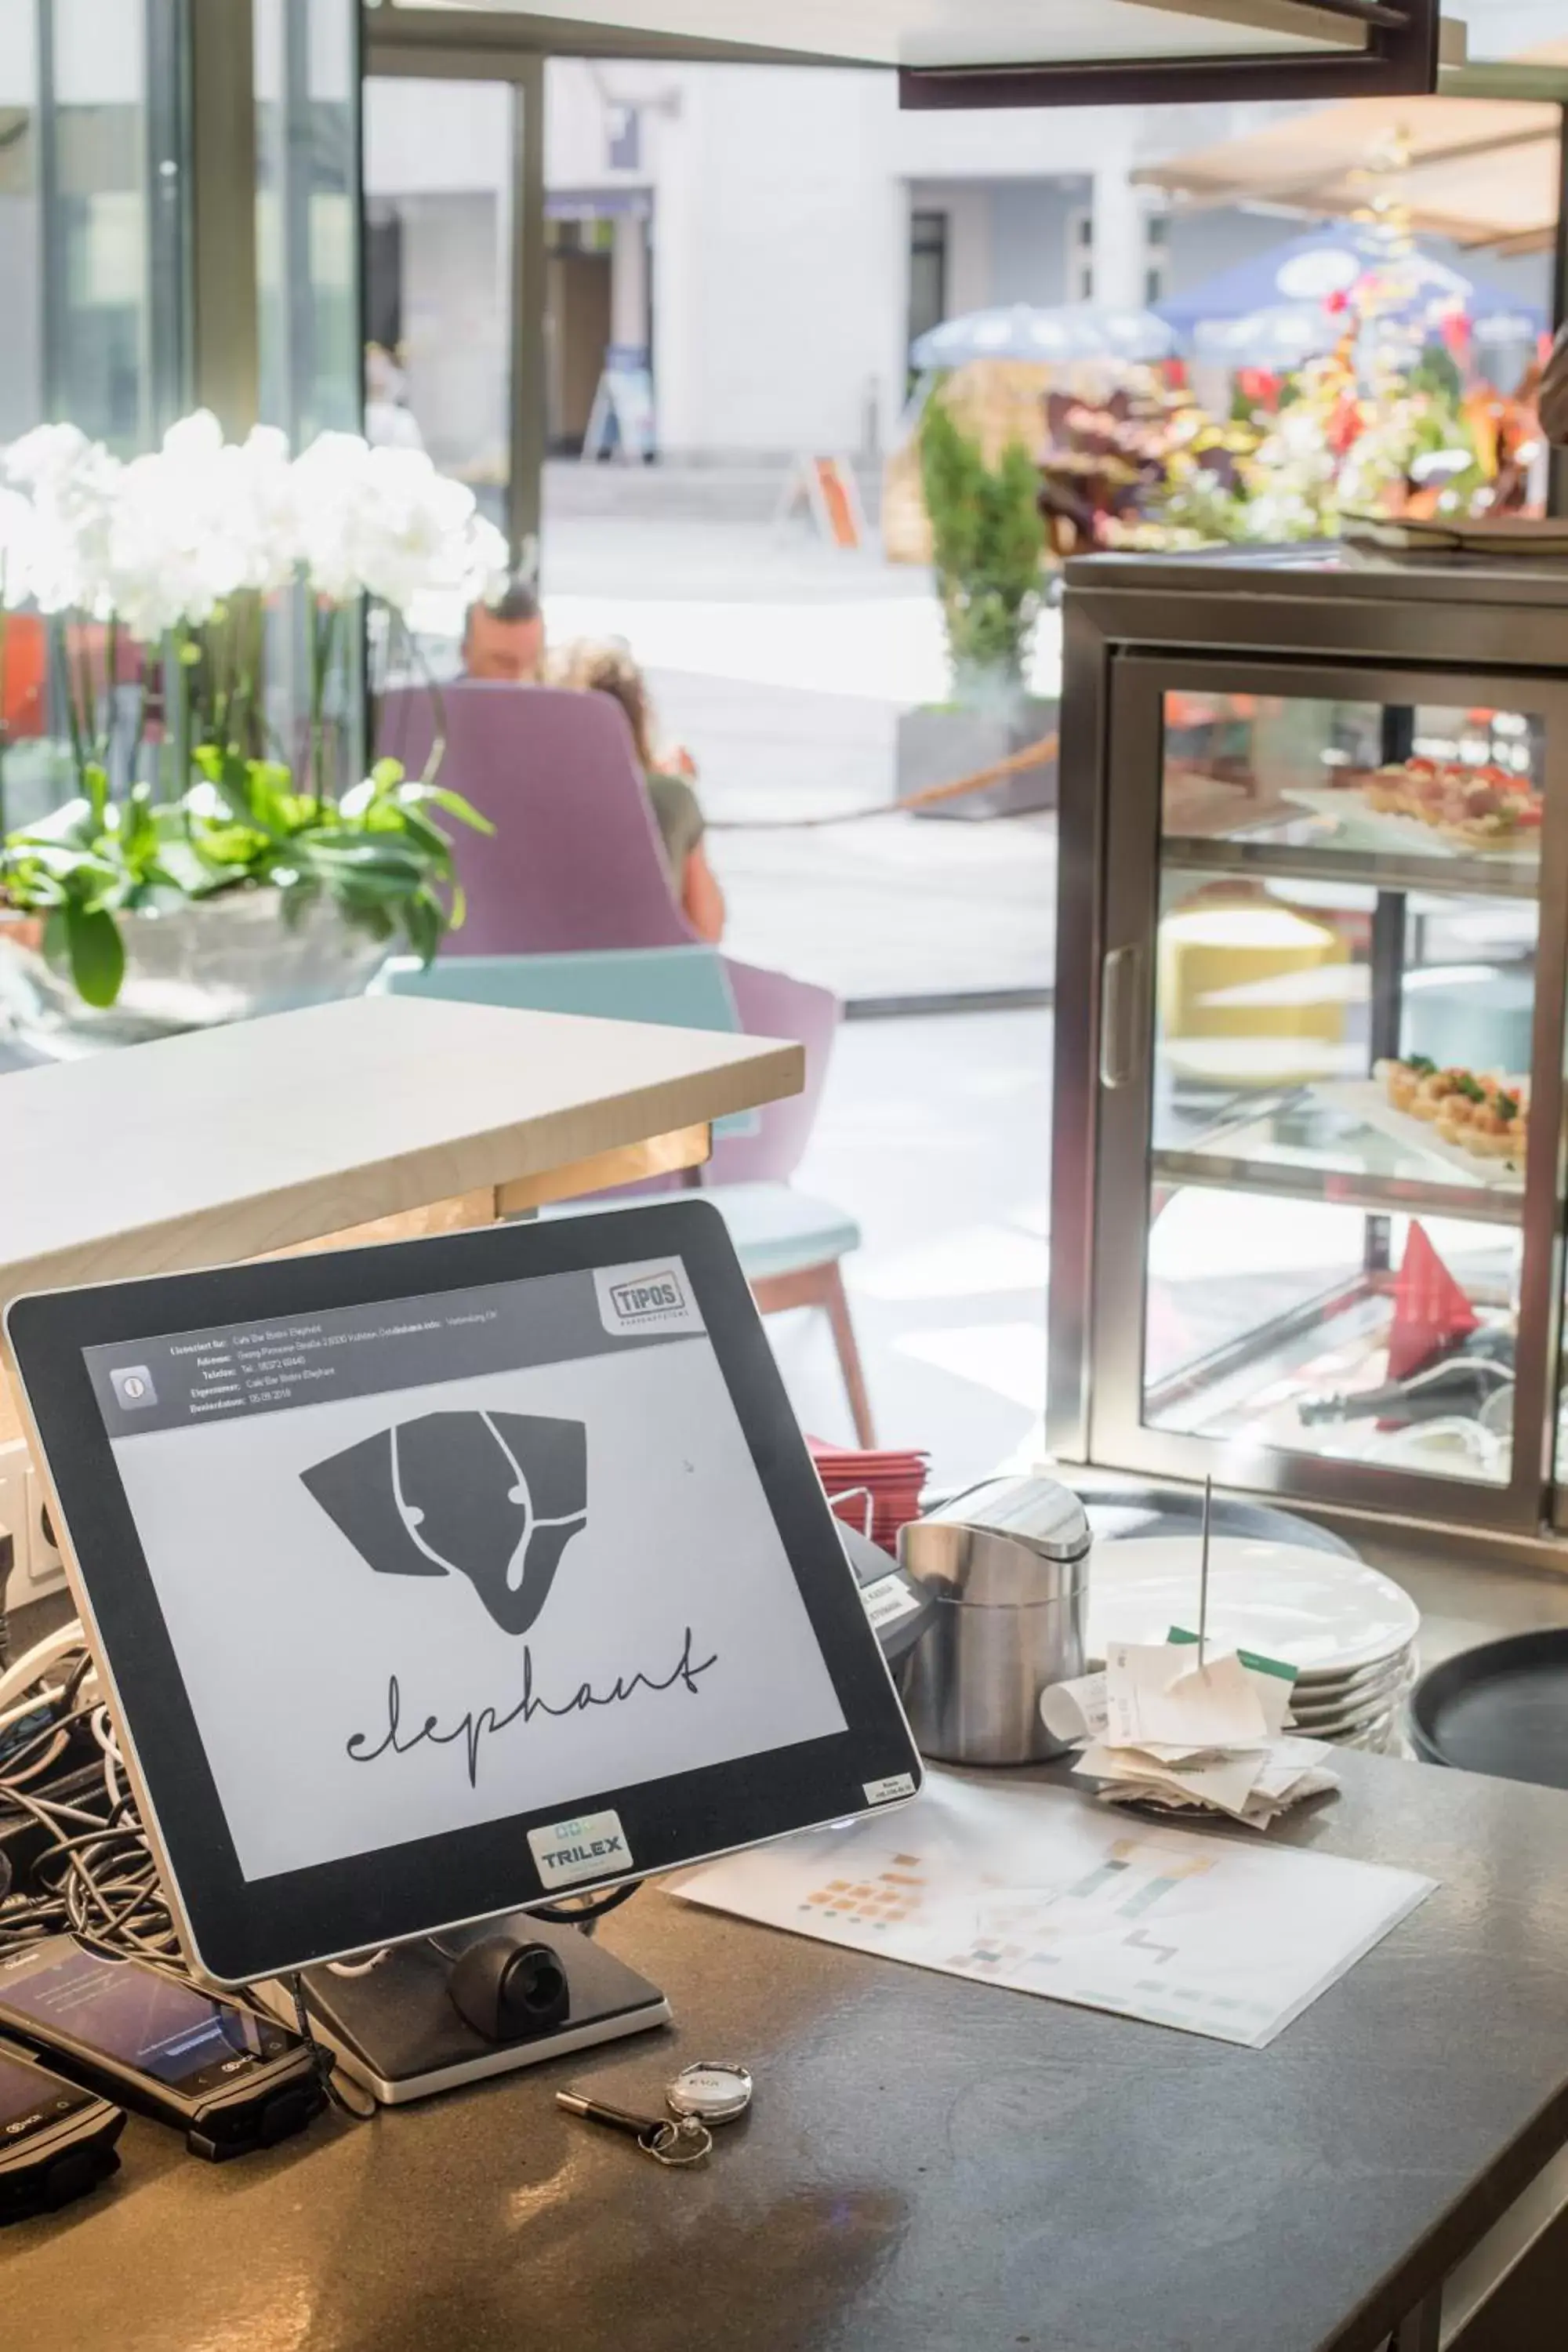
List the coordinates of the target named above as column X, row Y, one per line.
column 986, row 542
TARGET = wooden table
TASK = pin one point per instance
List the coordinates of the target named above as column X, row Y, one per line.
column 374, row 1118
column 930, row 2165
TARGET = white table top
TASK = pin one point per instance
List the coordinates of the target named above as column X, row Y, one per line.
column 233, row 1141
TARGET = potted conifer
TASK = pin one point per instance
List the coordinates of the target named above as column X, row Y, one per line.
column 987, row 542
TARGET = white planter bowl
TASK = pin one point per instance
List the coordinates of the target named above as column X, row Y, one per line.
column 187, row 967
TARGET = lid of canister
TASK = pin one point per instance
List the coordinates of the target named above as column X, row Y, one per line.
column 1005, row 1543
column 1036, row 1511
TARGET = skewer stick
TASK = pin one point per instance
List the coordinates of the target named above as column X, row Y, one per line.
column 1204, row 1575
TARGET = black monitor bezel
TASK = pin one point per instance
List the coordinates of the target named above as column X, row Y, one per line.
column 240, row 1930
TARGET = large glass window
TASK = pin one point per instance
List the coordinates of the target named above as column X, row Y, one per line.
column 307, row 97
column 307, row 216
column 92, row 278
column 439, row 271
column 97, row 174
column 91, row 238
column 21, row 376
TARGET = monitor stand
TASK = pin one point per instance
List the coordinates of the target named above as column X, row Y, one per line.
column 395, row 2029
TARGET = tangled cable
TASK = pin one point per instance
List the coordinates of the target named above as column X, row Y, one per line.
column 93, row 1875
column 92, row 1872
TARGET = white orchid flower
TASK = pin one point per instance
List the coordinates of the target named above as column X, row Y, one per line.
column 46, row 454
column 162, row 543
column 329, row 482
column 73, row 482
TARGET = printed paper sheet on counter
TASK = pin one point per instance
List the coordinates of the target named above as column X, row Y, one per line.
column 1041, row 1890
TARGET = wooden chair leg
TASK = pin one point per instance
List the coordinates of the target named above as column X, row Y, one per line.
column 836, row 1300
column 823, row 1286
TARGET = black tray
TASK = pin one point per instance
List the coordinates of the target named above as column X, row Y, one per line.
column 1502, row 1709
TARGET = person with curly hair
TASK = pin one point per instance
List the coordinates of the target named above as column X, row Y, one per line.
column 602, row 668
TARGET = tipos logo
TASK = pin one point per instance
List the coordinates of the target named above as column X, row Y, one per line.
column 494, row 1496
column 648, row 1299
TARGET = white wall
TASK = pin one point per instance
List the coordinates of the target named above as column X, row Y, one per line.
column 99, row 58
column 456, row 340
column 442, row 151
column 780, row 210
column 779, row 264
column 578, row 91
column 18, row 58
column 967, row 206
column 1029, row 223
column 1007, row 143
column 1204, row 243
column 424, row 137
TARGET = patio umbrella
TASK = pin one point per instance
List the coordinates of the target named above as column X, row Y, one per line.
column 1280, row 306
column 1279, row 338
column 1070, row 331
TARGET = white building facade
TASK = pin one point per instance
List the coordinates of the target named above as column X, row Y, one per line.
column 772, row 236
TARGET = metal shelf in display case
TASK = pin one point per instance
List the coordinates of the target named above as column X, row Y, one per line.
column 1284, row 869
column 1339, row 1142
column 1320, row 862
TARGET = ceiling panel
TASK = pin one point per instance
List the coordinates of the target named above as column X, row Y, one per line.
column 976, row 32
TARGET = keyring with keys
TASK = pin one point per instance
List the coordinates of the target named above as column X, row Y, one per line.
column 713, row 2090
column 683, row 2141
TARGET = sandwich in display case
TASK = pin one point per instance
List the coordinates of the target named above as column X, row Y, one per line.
column 1307, row 1182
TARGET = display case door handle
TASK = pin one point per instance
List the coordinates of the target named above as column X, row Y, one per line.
column 1118, row 1016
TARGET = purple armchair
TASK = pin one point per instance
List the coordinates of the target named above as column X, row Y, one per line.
column 574, row 863
column 574, row 866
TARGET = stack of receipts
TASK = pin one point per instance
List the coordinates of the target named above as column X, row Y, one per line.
column 1163, row 1729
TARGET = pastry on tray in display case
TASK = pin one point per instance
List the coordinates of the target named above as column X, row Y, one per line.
column 1445, row 808
column 1487, row 1115
column 1475, row 808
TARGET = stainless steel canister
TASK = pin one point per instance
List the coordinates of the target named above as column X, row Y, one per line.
column 1007, row 1563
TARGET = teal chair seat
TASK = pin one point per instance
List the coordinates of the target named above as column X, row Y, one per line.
column 789, row 1243
column 776, row 1230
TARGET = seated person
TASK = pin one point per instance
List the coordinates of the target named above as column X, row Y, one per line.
column 601, row 668
column 503, row 640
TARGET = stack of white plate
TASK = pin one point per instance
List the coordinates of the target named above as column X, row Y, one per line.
column 1348, row 1630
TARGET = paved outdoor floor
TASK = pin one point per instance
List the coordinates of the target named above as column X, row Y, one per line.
column 935, row 1135
column 784, row 664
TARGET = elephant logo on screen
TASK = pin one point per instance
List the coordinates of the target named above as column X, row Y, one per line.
column 494, row 1496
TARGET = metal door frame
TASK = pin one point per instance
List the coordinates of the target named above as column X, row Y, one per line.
column 486, row 44
column 1116, row 1434
column 391, row 52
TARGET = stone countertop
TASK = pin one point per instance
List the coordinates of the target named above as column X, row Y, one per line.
column 930, row 2163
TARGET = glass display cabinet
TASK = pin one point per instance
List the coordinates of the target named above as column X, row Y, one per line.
column 1308, row 1193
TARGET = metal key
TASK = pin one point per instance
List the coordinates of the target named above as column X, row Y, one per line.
column 682, row 2141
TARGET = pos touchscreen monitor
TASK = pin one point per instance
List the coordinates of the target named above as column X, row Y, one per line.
column 439, row 1579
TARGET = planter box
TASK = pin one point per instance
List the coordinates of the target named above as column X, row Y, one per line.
column 937, row 744
column 229, row 958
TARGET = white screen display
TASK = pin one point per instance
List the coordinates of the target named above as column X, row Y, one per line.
column 441, row 1561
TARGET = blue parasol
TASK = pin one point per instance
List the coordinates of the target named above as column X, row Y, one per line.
column 1274, row 307
column 1070, row 331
